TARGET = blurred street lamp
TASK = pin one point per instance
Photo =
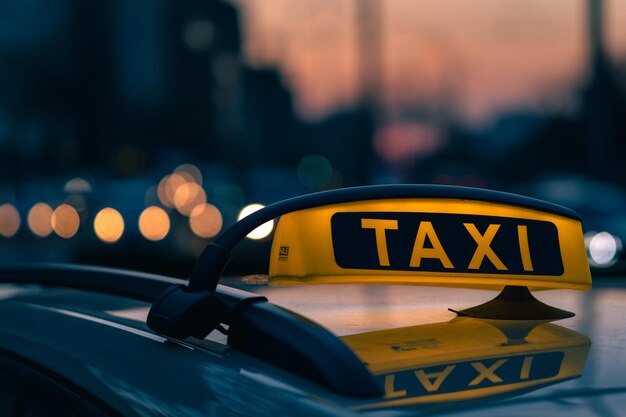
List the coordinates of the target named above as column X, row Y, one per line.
column 9, row 220
column 154, row 223
column 205, row 220
column 109, row 225
column 40, row 219
column 65, row 221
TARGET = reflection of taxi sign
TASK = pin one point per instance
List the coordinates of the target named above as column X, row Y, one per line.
column 474, row 359
column 431, row 241
column 473, row 374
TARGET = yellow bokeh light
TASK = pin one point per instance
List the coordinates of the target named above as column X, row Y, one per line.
column 65, row 221
column 263, row 230
column 109, row 225
column 154, row 223
column 40, row 219
column 188, row 196
column 9, row 220
column 205, row 220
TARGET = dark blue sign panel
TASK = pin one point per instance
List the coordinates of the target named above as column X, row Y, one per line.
column 437, row 242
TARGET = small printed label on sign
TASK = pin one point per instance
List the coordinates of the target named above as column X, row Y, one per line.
column 283, row 253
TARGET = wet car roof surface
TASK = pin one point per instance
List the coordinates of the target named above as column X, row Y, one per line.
column 201, row 365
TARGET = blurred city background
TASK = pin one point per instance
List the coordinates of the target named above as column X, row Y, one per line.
column 133, row 131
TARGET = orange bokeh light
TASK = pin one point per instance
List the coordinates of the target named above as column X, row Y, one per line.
column 154, row 223
column 65, row 221
column 188, row 196
column 109, row 225
column 168, row 186
column 205, row 220
column 9, row 220
column 40, row 219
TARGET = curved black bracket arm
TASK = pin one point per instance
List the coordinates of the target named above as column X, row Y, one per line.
column 179, row 312
column 196, row 310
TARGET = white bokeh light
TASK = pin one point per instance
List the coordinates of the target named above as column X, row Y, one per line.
column 263, row 230
column 604, row 249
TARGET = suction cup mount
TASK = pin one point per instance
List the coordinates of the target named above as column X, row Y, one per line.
column 514, row 303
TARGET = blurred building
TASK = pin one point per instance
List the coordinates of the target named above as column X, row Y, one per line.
column 114, row 83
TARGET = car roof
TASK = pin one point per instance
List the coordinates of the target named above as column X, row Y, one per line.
column 101, row 343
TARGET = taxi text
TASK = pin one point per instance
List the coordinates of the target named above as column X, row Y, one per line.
column 446, row 243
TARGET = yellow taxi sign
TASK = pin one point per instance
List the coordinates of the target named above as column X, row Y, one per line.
column 466, row 359
column 430, row 241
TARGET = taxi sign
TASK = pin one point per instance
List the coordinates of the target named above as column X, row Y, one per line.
column 467, row 358
column 398, row 234
column 430, row 241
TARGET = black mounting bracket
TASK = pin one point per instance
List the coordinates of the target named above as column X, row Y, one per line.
column 514, row 303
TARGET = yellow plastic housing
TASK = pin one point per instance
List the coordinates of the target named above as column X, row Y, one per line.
column 439, row 242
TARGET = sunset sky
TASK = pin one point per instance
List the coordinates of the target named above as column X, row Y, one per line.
column 483, row 56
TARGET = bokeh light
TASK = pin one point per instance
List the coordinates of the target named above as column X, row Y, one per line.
column 40, row 219
column 78, row 202
column 109, row 225
column 168, row 186
column 154, row 223
column 604, row 249
column 205, row 220
column 263, row 230
column 192, row 170
column 65, row 221
column 314, row 171
column 77, row 185
column 188, row 196
column 166, row 195
column 9, row 220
